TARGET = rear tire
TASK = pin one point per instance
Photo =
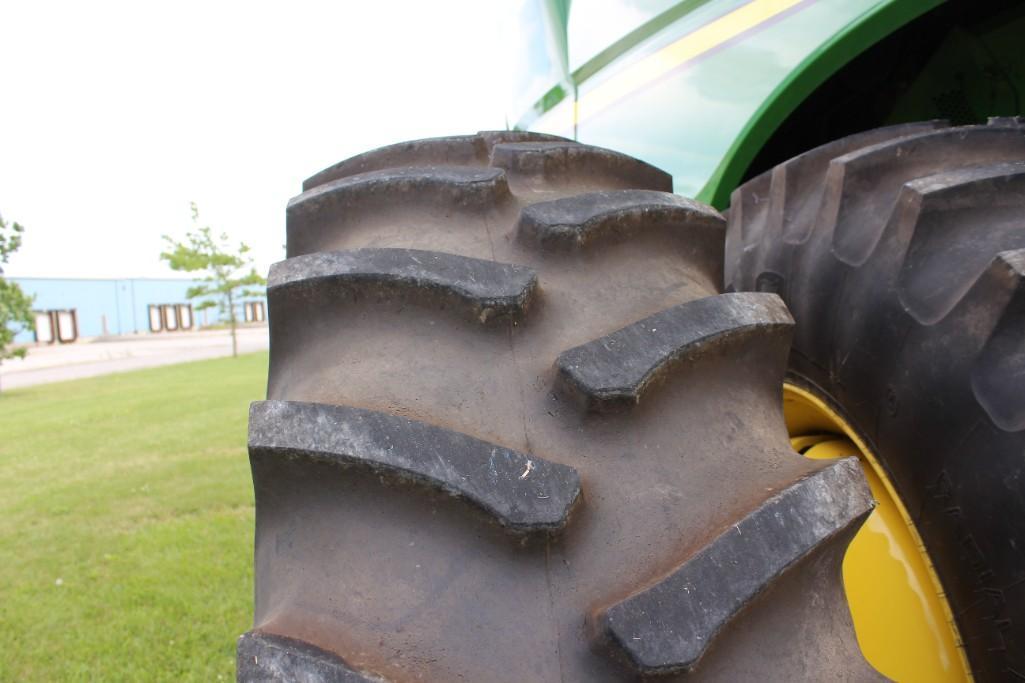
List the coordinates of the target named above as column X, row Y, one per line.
column 515, row 432
column 901, row 253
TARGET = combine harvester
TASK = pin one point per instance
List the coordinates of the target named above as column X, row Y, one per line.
column 532, row 416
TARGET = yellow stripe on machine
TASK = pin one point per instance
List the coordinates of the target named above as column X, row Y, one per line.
column 687, row 48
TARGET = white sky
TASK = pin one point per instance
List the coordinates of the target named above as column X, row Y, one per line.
column 115, row 115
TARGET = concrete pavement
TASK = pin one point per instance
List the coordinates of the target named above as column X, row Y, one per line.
column 92, row 357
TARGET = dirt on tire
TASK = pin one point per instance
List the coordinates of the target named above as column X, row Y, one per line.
column 516, row 432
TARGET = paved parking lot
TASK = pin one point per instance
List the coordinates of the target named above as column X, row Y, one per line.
column 92, row 357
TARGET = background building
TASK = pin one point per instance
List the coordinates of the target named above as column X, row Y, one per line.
column 70, row 308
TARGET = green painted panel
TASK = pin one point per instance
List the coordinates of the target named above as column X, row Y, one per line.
column 686, row 121
column 704, row 119
column 594, row 25
column 832, row 52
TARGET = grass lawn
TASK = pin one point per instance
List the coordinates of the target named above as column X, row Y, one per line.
column 126, row 524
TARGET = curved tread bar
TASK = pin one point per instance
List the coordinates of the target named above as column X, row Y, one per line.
column 487, row 290
column 581, row 219
column 457, row 150
column 668, row 626
column 998, row 374
column 797, row 219
column 748, row 213
column 930, row 281
column 268, row 658
column 856, row 219
column 313, row 215
column 522, row 492
column 612, row 373
column 561, row 162
column 779, row 206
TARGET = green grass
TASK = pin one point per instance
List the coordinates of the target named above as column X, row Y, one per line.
column 126, row 524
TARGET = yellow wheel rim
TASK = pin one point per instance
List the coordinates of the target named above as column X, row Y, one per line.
column 903, row 622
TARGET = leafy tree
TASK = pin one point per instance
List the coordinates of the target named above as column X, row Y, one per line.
column 15, row 305
column 226, row 281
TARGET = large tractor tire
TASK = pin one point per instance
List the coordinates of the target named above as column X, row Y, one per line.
column 901, row 254
column 515, row 432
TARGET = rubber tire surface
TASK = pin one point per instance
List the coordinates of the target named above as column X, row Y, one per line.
column 515, row 432
column 901, row 253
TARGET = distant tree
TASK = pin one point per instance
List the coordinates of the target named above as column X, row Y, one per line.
column 15, row 305
column 226, row 281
